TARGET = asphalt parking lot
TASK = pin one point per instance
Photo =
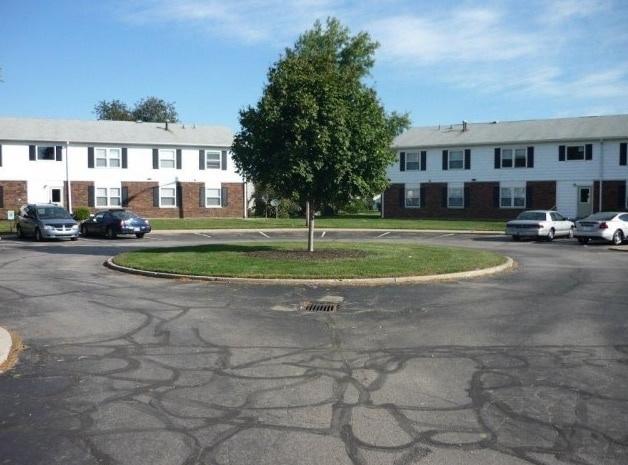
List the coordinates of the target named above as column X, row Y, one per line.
column 525, row 367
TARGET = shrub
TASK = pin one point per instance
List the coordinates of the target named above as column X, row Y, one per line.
column 81, row 213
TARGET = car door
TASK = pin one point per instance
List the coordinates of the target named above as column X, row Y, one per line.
column 561, row 225
column 96, row 224
column 29, row 221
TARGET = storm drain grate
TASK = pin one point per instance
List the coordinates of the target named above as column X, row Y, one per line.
column 319, row 306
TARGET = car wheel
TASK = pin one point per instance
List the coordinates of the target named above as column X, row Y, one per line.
column 38, row 236
column 110, row 234
column 74, row 238
column 83, row 230
column 583, row 240
column 20, row 233
column 516, row 238
column 570, row 235
column 618, row 238
column 550, row 235
column 139, row 235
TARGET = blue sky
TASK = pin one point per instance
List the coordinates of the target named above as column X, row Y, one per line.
column 441, row 61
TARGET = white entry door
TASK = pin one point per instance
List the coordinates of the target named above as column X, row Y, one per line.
column 585, row 201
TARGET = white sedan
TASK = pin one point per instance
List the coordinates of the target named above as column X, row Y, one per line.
column 540, row 224
column 610, row 226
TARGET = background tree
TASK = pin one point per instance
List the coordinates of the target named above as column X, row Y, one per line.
column 149, row 110
column 319, row 133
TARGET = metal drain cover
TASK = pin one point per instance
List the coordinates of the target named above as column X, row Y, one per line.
column 319, row 306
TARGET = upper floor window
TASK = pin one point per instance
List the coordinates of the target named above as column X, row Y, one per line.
column 514, row 157
column 45, row 152
column 167, row 158
column 108, row 157
column 457, row 159
column 212, row 159
column 412, row 161
column 575, row 152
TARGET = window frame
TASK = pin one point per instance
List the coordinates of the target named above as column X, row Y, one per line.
column 166, row 160
column 415, row 200
column 216, row 164
column 450, row 161
column 512, row 197
column 112, row 199
column 108, row 157
column 43, row 149
column 163, row 195
column 209, row 200
column 450, row 191
column 414, row 165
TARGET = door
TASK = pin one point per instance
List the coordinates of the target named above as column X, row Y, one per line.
column 585, row 204
column 56, row 195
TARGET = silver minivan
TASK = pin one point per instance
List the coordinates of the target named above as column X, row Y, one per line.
column 46, row 221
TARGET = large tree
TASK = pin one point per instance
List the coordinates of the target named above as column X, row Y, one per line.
column 319, row 133
column 149, row 110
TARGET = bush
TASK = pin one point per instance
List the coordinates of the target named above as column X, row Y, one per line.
column 81, row 213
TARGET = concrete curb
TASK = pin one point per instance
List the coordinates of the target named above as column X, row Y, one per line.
column 509, row 264
column 6, row 344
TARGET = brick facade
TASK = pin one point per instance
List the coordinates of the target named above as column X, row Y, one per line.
column 14, row 194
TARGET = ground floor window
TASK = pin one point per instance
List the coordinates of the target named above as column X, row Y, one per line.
column 455, row 197
column 167, row 197
column 108, row 197
column 413, row 195
column 512, row 197
column 213, row 198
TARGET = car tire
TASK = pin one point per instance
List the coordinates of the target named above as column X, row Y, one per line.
column 110, row 233
column 74, row 238
column 618, row 237
column 584, row 240
column 83, row 231
column 38, row 236
column 139, row 235
column 550, row 235
column 516, row 238
column 571, row 233
column 20, row 233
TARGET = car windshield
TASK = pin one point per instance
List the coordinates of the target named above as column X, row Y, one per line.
column 51, row 213
column 602, row 216
column 123, row 215
column 534, row 216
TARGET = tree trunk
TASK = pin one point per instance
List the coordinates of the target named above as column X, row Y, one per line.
column 310, row 230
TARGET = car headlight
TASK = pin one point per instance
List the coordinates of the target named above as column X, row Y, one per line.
column 48, row 227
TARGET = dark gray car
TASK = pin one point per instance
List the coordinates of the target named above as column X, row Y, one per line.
column 46, row 221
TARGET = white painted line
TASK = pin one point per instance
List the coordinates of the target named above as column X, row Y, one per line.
column 265, row 235
column 443, row 235
column 323, row 234
column 384, row 234
column 203, row 234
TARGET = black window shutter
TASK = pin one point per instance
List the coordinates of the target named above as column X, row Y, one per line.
column 623, row 154
column 91, row 196
column 423, row 160
column 201, row 160
column 422, row 193
column 59, row 153
column 223, row 162
column 467, row 159
column 32, row 153
column 498, row 158
column 125, row 158
column 529, row 197
column 179, row 194
column 588, row 152
column 125, row 196
column 155, row 159
column 156, row 196
column 561, row 153
column 530, row 157
column 467, row 197
column 402, row 196
column 201, row 196
column 496, row 202
column 1, row 197
column 402, row 161
column 621, row 197
column 224, row 197
column 90, row 157
column 179, row 162
column 443, row 197
column 445, row 160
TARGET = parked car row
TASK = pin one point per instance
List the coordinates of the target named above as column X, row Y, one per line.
column 549, row 224
column 51, row 221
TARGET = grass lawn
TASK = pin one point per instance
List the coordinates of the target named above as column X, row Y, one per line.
column 330, row 260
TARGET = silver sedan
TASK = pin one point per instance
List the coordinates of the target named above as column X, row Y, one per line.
column 540, row 224
column 609, row 226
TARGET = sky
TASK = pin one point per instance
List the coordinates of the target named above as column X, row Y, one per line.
column 441, row 62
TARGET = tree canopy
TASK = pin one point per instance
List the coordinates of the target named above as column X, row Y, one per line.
column 319, row 133
column 149, row 110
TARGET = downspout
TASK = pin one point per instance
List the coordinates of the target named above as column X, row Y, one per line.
column 601, row 174
column 67, row 176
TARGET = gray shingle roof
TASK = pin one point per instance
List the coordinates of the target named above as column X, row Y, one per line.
column 27, row 130
column 582, row 129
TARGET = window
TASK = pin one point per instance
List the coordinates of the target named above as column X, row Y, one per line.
column 512, row 197
column 455, row 197
column 516, row 158
column 212, row 198
column 167, row 158
column 107, row 158
column 413, row 196
column 167, row 197
column 45, row 153
column 456, row 160
column 413, row 161
column 108, row 197
column 212, row 160
column 575, row 152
